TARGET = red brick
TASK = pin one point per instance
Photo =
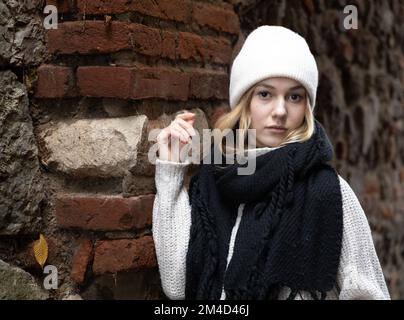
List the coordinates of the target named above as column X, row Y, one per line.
column 81, row 259
column 401, row 61
column 97, row 37
column 372, row 185
column 104, row 213
column 194, row 46
column 398, row 192
column 215, row 17
column 205, row 85
column 309, row 5
column 218, row 50
column 402, row 175
column 124, row 255
column 169, row 44
column 88, row 37
column 55, row 82
column 387, row 211
column 189, row 45
column 95, row 81
column 161, row 83
column 178, row 10
column 217, row 113
column 63, row 6
column 152, row 41
column 347, row 50
column 219, row 18
column 135, row 83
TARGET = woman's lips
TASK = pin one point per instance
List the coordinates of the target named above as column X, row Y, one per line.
column 276, row 130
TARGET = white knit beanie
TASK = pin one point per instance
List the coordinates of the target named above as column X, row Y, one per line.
column 273, row 51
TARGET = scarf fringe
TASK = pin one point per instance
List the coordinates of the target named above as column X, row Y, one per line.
column 211, row 253
column 273, row 294
column 315, row 295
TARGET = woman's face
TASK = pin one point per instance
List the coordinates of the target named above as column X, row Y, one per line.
column 276, row 102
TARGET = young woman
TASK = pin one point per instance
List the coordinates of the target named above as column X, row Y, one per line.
column 293, row 229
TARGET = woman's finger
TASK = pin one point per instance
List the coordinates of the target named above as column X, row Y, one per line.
column 162, row 137
column 187, row 126
column 179, row 133
column 185, row 137
column 164, row 151
column 185, row 116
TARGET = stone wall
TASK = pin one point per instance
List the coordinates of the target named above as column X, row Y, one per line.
column 78, row 103
column 112, row 71
column 21, row 50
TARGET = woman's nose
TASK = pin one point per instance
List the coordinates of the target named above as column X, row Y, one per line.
column 279, row 108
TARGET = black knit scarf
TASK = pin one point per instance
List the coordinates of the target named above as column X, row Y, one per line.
column 290, row 233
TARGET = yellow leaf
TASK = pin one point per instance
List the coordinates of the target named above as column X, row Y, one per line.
column 41, row 250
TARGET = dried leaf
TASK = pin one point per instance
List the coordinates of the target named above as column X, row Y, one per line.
column 41, row 250
column 107, row 19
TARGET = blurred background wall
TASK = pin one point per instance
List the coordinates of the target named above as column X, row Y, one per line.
column 77, row 104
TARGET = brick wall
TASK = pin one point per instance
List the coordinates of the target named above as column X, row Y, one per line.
column 114, row 71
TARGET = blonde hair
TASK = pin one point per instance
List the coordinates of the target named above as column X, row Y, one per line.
column 241, row 114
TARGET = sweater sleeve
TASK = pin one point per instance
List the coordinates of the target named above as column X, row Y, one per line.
column 360, row 276
column 171, row 226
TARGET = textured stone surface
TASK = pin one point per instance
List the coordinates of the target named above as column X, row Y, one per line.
column 21, row 33
column 21, row 190
column 94, row 147
column 16, row 284
column 144, row 284
column 140, row 179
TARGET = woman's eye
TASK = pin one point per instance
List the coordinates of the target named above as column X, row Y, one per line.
column 264, row 94
column 295, row 97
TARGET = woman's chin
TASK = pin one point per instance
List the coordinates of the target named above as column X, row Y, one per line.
column 269, row 143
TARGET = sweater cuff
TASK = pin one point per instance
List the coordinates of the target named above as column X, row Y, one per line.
column 170, row 171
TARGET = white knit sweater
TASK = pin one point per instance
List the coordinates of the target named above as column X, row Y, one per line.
column 360, row 275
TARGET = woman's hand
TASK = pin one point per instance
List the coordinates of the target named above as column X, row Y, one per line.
column 172, row 139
